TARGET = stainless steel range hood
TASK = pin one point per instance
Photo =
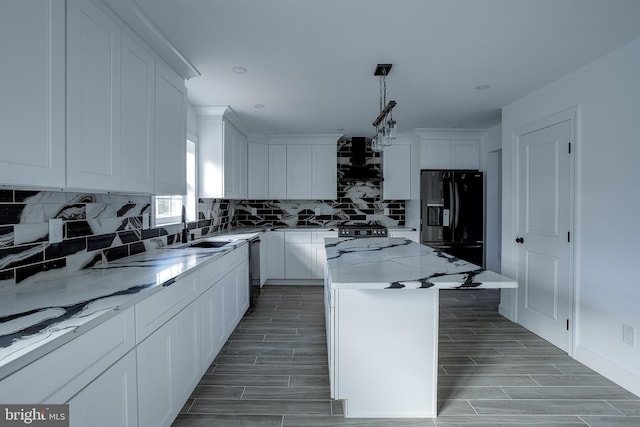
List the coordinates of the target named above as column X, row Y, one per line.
column 359, row 169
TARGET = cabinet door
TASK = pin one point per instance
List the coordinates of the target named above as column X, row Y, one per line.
column 319, row 261
column 93, row 98
column 258, row 173
column 110, row 400
column 396, row 165
column 154, row 361
column 32, row 135
column 170, row 133
column 436, row 154
column 325, row 170
column 240, row 165
column 465, row 154
column 299, row 172
column 136, row 106
column 274, row 249
column 229, row 132
column 230, row 298
column 242, row 283
column 277, row 172
column 212, row 329
column 186, row 354
column 299, row 260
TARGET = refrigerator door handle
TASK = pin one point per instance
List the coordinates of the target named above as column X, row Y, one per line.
column 447, row 212
column 456, row 213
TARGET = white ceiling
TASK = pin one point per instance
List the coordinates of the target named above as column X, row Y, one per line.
column 311, row 63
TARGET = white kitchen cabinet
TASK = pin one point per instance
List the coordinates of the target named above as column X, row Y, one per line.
column 405, row 234
column 212, row 329
column 273, row 242
column 258, row 171
column 465, row 154
column 170, row 132
column 298, row 255
column 324, row 168
column 450, row 154
column 137, row 104
column 93, row 97
column 319, row 252
column 299, row 172
column 168, row 368
column 396, row 167
column 32, row 135
column 109, row 400
column 222, row 156
column 224, row 301
column 68, row 369
column 277, row 172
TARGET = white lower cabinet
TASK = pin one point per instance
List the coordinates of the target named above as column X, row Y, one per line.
column 109, row 400
column 273, row 242
column 405, row 234
column 304, row 254
column 140, row 366
column 168, row 364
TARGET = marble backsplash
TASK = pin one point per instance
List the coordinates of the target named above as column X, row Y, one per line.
column 97, row 228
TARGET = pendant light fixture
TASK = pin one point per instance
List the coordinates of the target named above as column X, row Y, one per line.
column 386, row 126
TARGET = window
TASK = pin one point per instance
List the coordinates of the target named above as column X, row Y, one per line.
column 168, row 209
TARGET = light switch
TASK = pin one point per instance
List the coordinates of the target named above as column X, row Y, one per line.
column 55, row 230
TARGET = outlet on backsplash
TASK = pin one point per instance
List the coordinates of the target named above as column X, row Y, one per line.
column 629, row 335
column 55, row 230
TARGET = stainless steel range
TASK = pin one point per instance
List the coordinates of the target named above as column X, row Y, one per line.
column 362, row 230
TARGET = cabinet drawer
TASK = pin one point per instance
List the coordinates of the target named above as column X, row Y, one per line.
column 154, row 311
column 62, row 373
column 212, row 272
column 297, row 236
column 319, row 236
column 235, row 257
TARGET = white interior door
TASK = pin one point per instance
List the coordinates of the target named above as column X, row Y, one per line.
column 545, row 296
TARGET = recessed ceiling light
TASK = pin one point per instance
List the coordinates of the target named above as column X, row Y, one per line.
column 483, row 87
column 239, row 70
column 258, row 106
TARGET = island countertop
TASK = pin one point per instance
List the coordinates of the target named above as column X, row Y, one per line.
column 397, row 263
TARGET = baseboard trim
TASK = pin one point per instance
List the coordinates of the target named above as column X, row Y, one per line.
column 618, row 374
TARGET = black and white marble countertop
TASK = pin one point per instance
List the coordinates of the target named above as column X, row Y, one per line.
column 397, row 263
column 36, row 318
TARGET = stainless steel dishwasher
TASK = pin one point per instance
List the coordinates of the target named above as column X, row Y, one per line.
column 254, row 271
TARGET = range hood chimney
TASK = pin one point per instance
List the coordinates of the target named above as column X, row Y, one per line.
column 359, row 170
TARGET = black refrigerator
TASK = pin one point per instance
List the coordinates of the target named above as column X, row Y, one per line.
column 451, row 204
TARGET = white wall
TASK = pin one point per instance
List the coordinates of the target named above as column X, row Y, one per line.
column 607, row 149
column 492, row 152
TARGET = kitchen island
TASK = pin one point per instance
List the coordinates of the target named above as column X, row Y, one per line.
column 381, row 309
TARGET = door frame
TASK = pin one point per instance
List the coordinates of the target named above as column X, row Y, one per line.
column 572, row 115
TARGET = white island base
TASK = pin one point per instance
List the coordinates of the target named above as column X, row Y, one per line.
column 386, row 352
column 381, row 308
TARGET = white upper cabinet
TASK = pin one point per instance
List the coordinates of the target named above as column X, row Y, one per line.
column 465, row 154
column 170, row 132
column 222, row 154
column 258, row 171
column 32, row 135
column 325, row 171
column 396, row 167
column 450, row 148
column 137, row 117
column 299, row 173
column 303, row 167
column 93, row 98
column 277, row 171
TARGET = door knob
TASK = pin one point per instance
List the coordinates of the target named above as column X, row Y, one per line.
column 519, row 239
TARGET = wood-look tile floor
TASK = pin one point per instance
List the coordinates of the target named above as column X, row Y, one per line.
column 273, row 372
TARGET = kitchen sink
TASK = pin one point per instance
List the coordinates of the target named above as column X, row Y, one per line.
column 208, row 244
